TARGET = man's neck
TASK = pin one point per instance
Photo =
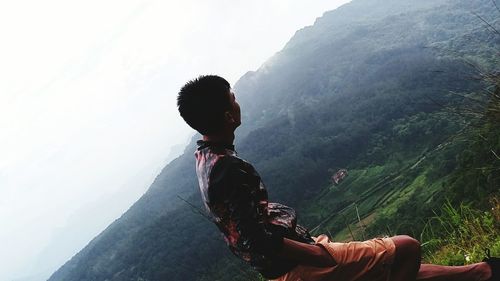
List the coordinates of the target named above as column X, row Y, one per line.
column 225, row 137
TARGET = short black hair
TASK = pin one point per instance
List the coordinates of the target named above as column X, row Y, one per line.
column 203, row 101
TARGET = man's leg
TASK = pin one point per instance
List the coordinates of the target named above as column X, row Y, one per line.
column 407, row 259
column 407, row 266
column 474, row 272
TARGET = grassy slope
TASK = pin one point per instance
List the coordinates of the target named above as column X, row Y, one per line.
column 425, row 196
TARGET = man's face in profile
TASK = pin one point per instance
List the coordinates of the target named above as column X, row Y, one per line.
column 235, row 110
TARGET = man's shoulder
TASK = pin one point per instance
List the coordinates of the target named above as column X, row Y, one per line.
column 209, row 157
column 233, row 168
column 228, row 162
column 230, row 174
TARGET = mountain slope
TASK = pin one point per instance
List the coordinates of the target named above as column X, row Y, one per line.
column 350, row 91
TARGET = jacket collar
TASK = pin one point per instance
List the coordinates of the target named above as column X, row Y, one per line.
column 204, row 144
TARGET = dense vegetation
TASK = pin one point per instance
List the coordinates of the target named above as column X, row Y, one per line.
column 386, row 89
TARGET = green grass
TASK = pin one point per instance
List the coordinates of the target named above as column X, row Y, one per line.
column 460, row 235
column 362, row 196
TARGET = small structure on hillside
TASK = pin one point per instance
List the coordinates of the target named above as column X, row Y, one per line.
column 339, row 176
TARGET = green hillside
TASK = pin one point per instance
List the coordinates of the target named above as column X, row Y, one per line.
column 389, row 90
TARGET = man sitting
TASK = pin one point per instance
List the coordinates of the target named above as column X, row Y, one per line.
column 266, row 235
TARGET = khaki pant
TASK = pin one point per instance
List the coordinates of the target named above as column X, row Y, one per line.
column 356, row 261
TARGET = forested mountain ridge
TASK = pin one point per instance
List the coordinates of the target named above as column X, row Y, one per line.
column 363, row 89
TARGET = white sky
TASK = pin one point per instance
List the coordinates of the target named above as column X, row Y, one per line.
column 87, row 105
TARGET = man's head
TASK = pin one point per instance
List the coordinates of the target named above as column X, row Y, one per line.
column 208, row 106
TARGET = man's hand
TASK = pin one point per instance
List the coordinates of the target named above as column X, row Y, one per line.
column 306, row 254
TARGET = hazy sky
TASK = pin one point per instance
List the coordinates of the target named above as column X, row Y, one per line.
column 87, row 105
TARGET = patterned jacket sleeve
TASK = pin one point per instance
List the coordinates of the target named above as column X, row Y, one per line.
column 236, row 187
